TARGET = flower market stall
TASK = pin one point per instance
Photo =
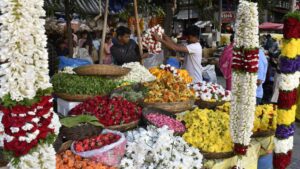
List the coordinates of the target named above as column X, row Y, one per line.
column 129, row 117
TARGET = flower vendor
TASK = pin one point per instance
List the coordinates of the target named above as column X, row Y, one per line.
column 262, row 72
column 194, row 50
column 124, row 49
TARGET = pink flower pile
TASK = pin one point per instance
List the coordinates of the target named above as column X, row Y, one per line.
column 160, row 120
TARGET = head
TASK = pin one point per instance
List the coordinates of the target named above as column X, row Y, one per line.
column 123, row 34
column 269, row 36
column 192, row 34
column 84, row 34
column 108, row 38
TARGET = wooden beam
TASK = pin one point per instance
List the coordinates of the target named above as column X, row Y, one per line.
column 138, row 28
column 69, row 27
column 104, row 32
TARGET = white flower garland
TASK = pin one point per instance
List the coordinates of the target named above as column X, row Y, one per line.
column 22, row 46
column 283, row 146
column 288, row 82
column 43, row 158
column 158, row 148
column 247, row 25
column 243, row 107
column 148, row 41
column 138, row 73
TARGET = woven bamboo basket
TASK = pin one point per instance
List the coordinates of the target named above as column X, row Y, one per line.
column 80, row 132
column 74, row 98
column 211, row 156
column 124, row 127
column 159, row 111
column 174, row 107
column 263, row 134
column 102, row 70
column 208, row 105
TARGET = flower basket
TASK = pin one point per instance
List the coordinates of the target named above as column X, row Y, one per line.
column 174, row 107
column 124, row 127
column 102, row 70
column 211, row 156
column 73, row 97
column 159, row 111
column 263, row 134
column 80, row 132
column 3, row 162
column 208, row 105
column 110, row 155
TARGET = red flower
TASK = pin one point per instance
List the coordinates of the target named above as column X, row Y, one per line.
column 291, row 28
column 287, row 99
column 282, row 161
column 240, row 149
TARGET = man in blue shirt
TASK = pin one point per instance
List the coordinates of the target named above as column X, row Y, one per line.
column 262, row 72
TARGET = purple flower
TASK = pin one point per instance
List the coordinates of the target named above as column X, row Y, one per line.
column 289, row 65
column 283, row 131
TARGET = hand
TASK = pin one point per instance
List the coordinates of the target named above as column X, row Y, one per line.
column 259, row 82
column 156, row 37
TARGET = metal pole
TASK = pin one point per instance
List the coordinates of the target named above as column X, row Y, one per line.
column 104, row 32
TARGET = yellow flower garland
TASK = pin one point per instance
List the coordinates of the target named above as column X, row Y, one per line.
column 298, row 105
column 286, row 117
column 291, row 48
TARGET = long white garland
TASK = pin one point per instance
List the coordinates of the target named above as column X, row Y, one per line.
column 244, row 83
column 22, row 46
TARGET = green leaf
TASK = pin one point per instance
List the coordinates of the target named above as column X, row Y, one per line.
column 75, row 120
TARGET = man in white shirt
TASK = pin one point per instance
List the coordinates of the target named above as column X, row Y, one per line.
column 193, row 49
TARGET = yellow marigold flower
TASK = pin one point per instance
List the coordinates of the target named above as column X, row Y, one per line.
column 286, row 117
column 291, row 48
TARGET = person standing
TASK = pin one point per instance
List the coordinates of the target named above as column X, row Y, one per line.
column 193, row 49
column 225, row 63
column 107, row 45
column 262, row 72
column 124, row 49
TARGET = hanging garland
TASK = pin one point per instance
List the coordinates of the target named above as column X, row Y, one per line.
column 245, row 67
column 288, row 94
column 28, row 121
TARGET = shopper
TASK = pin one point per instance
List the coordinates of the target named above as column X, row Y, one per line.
column 83, row 38
column 107, row 45
column 262, row 72
column 225, row 63
column 124, row 49
column 193, row 50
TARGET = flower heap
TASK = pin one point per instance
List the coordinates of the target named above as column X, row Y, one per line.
column 207, row 91
column 245, row 67
column 158, row 148
column 289, row 82
column 149, row 43
column 29, row 123
column 138, row 73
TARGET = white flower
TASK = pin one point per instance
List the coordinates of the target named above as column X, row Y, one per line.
column 288, row 82
column 35, row 120
column 283, row 146
column 27, row 127
column 14, row 129
column 137, row 74
column 68, row 70
column 55, row 123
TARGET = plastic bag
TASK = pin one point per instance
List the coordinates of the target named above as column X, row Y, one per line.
column 71, row 62
column 110, row 155
column 209, row 73
column 154, row 60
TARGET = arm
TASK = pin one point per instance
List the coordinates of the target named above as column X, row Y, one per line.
column 170, row 44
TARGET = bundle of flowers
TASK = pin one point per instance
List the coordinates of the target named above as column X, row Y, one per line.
column 149, row 42
column 109, row 111
column 244, row 75
column 167, row 70
column 288, row 94
column 160, row 120
column 208, row 130
column 138, row 73
column 211, row 92
column 158, row 148
column 265, row 118
column 82, row 85
column 67, row 159
column 67, row 70
column 168, row 89
column 30, row 125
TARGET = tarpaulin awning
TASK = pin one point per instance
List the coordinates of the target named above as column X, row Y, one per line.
column 184, row 14
column 90, row 6
column 271, row 26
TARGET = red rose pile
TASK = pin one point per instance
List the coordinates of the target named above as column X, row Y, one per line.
column 96, row 142
column 110, row 112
